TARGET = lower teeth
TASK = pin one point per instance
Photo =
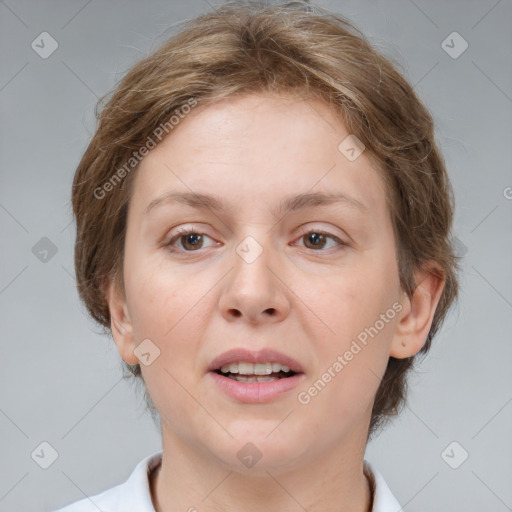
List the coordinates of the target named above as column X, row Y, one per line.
column 241, row 378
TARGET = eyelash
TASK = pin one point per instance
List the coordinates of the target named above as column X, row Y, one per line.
column 188, row 231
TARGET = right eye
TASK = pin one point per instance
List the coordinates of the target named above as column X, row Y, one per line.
column 188, row 239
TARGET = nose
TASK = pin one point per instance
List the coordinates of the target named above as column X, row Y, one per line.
column 255, row 290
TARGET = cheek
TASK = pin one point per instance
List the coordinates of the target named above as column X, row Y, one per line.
column 159, row 294
column 353, row 355
column 349, row 299
column 352, row 305
column 167, row 307
column 173, row 309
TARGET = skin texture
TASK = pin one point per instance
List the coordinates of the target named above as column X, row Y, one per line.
column 308, row 301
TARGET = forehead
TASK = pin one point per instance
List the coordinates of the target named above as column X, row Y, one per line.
column 258, row 147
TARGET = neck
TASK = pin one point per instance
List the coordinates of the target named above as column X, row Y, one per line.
column 333, row 481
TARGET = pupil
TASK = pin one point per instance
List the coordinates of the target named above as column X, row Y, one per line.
column 315, row 238
column 193, row 236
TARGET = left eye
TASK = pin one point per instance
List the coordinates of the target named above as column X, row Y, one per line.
column 318, row 239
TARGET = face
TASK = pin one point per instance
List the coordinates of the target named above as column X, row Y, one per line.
column 305, row 281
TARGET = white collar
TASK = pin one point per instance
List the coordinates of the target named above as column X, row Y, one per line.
column 135, row 494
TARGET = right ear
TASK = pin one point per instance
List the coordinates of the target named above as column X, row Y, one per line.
column 120, row 322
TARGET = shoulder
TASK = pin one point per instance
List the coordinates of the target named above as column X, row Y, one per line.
column 106, row 501
column 135, row 491
column 383, row 498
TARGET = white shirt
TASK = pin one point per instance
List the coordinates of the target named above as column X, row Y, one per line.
column 134, row 495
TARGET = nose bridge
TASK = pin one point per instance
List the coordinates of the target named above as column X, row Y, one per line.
column 254, row 290
column 254, row 256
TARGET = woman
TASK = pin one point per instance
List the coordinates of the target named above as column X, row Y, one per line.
column 263, row 225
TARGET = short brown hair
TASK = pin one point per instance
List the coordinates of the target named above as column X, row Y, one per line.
column 292, row 48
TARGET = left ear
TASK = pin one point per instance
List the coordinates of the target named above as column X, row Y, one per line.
column 417, row 314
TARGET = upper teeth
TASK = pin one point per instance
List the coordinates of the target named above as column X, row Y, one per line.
column 254, row 369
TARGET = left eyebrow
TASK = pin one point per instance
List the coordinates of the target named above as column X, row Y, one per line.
column 289, row 204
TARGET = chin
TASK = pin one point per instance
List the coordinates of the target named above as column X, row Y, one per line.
column 254, row 453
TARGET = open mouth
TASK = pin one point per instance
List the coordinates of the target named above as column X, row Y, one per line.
column 257, row 378
column 258, row 382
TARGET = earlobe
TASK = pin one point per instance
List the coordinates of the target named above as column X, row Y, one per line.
column 120, row 323
column 414, row 324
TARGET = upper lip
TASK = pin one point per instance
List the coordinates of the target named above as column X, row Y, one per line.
column 265, row 355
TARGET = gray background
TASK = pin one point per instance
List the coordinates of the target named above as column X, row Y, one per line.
column 60, row 381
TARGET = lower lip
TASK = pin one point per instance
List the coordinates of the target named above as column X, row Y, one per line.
column 256, row 392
